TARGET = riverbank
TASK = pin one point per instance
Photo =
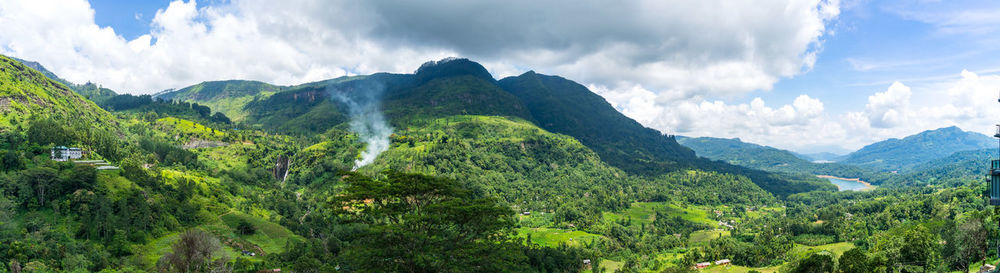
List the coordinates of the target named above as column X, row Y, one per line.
column 868, row 186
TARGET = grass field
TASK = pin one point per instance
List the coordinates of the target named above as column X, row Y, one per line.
column 553, row 237
column 187, row 127
column 798, row 251
column 270, row 237
column 645, row 213
column 835, row 248
column 702, row 237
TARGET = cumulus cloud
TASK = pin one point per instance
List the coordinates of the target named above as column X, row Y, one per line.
column 888, row 109
column 680, row 47
column 969, row 102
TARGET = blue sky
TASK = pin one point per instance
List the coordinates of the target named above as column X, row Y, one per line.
column 873, row 46
column 130, row 19
column 804, row 75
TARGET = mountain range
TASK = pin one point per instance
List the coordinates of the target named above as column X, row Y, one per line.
column 906, row 153
column 529, row 173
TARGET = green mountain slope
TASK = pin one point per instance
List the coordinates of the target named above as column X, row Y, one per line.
column 437, row 89
column 957, row 169
column 904, row 154
column 229, row 97
column 737, row 152
column 527, row 167
column 26, row 92
column 565, row 107
column 451, row 87
column 88, row 90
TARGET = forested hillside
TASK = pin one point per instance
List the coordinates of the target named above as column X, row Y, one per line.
column 228, row 97
column 531, row 173
column 771, row 159
column 904, row 154
column 88, row 90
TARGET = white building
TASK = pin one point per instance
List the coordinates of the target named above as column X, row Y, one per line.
column 62, row 153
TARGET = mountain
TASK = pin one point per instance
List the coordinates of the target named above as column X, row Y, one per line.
column 822, row 156
column 904, row 154
column 26, row 92
column 89, row 90
column 566, row 107
column 228, row 97
column 737, row 152
column 960, row 168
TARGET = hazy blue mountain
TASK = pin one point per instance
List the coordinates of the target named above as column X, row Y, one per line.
column 903, row 154
column 737, row 152
column 822, row 156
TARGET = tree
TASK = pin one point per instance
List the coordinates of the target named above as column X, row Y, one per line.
column 855, row 261
column 245, row 228
column 193, row 252
column 40, row 180
column 912, row 248
column 80, row 177
column 47, row 131
column 815, row 263
column 420, row 223
column 971, row 243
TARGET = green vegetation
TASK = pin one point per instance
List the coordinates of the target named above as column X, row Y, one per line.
column 904, row 154
column 529, row 174
column 551, row 237
column 736, row 152
column 229, row 97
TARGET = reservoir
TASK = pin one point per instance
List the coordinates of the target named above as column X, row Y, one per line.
column 848, row 185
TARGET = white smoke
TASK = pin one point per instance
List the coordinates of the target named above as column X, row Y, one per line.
column 364, row 106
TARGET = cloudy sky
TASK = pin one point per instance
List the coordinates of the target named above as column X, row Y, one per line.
column 805, row 75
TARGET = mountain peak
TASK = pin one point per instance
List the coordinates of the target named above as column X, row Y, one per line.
column 902, row 154
column 451, row 67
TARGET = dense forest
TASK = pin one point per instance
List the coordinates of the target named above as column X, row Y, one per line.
column 479, row 175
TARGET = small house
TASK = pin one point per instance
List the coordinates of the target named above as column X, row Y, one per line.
column 63, row 153
column 987, row 268
column 702, row 265
column 722, row 262
column 586, row 264
column 526, row 213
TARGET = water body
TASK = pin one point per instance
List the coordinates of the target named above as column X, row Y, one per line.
column 848, row 185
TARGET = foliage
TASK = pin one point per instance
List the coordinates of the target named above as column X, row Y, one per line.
column 769, row 159
column 193, row 252
column 904, row 154
column 227, row 97
column 419, row 223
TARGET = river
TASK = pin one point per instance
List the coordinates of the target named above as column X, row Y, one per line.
column 848, row 185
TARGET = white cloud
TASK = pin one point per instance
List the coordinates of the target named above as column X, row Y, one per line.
column 969, row 102
column 678, row 47
column 889, row 109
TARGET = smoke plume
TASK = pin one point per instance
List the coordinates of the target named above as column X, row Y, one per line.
column 363, row 103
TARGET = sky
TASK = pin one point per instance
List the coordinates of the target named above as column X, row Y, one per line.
column 804, row 75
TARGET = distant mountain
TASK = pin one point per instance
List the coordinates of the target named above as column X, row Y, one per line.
column 737, row 152
column 88, row 90
column 956, row 169
column 229, row 97
column 823, row 156
column 904, row 154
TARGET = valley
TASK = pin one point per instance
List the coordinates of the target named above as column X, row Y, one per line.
column 450, row 170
